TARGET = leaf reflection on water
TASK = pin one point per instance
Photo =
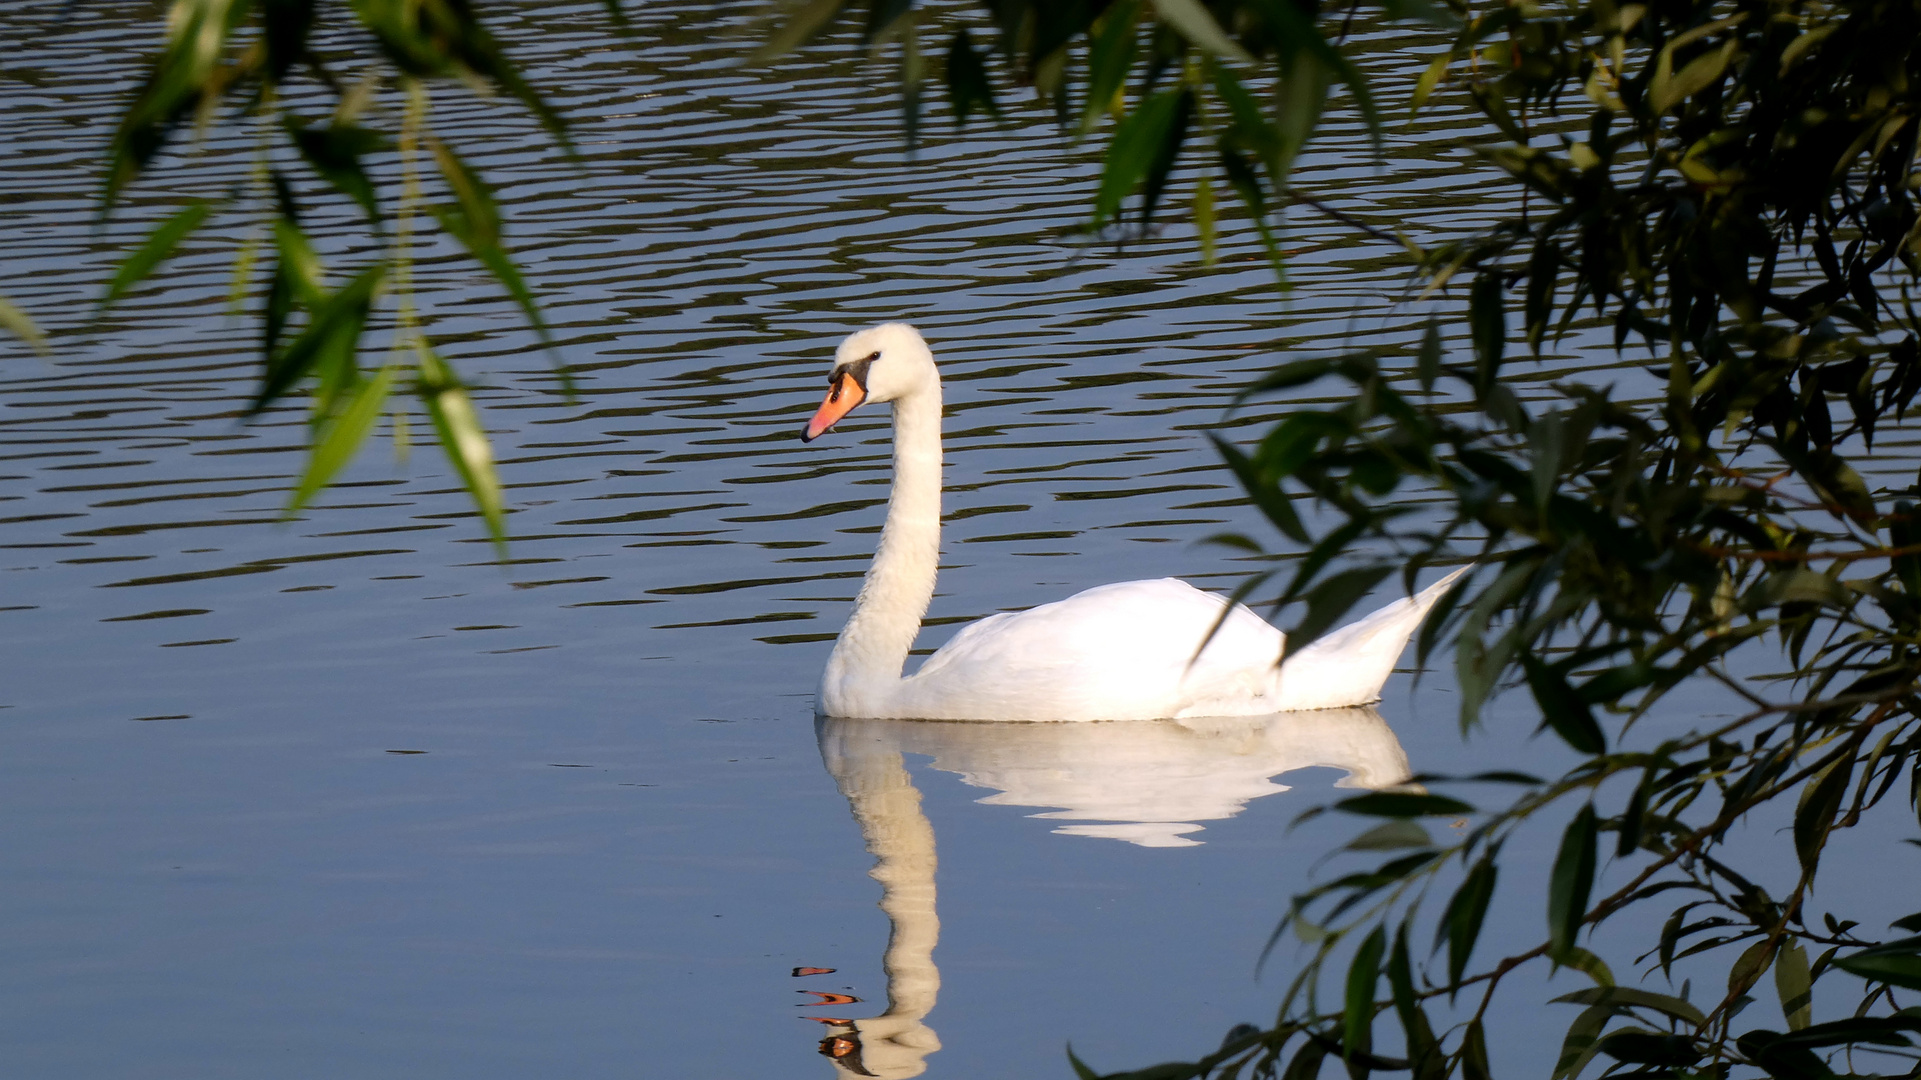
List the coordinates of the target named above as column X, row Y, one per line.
column 1147, row 782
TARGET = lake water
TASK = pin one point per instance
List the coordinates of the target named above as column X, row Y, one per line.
column 342, row 796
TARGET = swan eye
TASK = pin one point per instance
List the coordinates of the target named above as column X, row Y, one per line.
column 856, row 370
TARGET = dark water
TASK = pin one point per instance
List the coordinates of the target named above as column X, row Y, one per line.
column 341, row 796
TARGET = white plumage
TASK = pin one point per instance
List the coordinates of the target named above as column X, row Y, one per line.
column 1125, row 651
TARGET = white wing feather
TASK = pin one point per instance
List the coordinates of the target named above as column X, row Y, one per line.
column 1113, row 652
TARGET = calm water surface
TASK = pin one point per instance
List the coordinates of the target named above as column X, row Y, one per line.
column 342, row 796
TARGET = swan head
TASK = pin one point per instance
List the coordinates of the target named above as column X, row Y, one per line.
column 884, row 363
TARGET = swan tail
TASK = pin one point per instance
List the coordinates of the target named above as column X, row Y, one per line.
column 1349, row 666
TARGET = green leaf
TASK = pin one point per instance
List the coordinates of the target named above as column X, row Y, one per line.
column 1897, row 963
column 1081, row 1071
column 1572, row 880
column 1748, row 967
column 1306, row 1063
column 464, row 440
column 1246, row 183
column 1403, row 804
column 1335, row 543
column 16, row 322
column 1420, row 11
column 288, row 24
column 1618, row 996
column 1161, row 165
column 1588, row 964
column 1138, row 142
column 1427, row 363
column 335, row 152
column 187, row 67
column 1538, row 305
column 1329, row 601
column 1313, row 60
column 1466, row 910
column 1296, row 373
column 305, row 274
column 913, row 72
column 340, row 436
column 475, row 222
column 1474, row 1064
column 1204, row 221
column 1904, row 530
column 1562, row 707
column 1668, row 89
column 1503, row 776
column 1581, row 1042
column 1363, row 973
column 969, row 89
column 329, row 341
column 1267, row 497
column 154, row 250
column 1191, row 20
column 1792, row 983
column 799, row 28
column 1109, row 58
column 1820, row 801
column 883, row 16
column 1298, row 440
column 1875, row 1030
column 1249, row 129
column 1171, row 1070
column 1391, row 836
column 1430, row 78
column 1400, row 976
column 1634, row 817
column 1487, row 318
column 1426, row 1059
column 1782, row 1062
column 1795, row 585
column 1841, row 484
column 1640, row 1047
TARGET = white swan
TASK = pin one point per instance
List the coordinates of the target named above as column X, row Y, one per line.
column 1117, row 652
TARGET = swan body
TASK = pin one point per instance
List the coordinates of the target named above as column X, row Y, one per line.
column 1127, row 651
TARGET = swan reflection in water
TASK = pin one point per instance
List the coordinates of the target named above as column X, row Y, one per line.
column 1148, row 782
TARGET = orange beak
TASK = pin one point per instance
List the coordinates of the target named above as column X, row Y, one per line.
column 842, row 396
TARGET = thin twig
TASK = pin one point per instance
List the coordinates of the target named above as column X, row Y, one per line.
column 1346, row 219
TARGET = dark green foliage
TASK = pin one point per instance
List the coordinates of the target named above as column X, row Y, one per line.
column 1730, row 186
column 158, row 246
column 1461, row 923
column 1569, row 885
column 968, row 86
column 1363, row 975
column 1897, row 963
column 1163, row 69
column 335, row 153
column 227, row 63
column 1562, row 707
column 1403, row 804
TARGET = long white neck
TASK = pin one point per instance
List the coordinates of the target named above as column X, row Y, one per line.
column 864, row 673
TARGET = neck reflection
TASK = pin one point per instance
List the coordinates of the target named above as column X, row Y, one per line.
column 1149, row 783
